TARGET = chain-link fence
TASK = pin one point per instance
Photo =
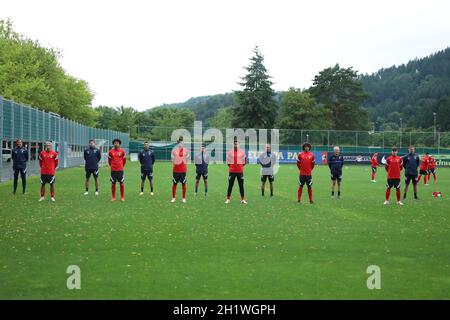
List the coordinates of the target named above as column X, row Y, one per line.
column 355, row 141
column 357, row 146
column 35, row 127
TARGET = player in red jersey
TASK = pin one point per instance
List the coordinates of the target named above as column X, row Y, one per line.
column 374, row 164
column 432, row 169
column 48, row 161
column 117, row 159
column 424, row 168
column 236, row 160
column 305, row 163
column 180, row 156
column 394, row 165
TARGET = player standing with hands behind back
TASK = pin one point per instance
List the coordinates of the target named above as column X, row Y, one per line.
column 305, row 163
column 394, row 166
column 267, row 160
column 20, row 158
column 180, row 156
column 92, row 156
column 147, row 159
column 48, row 161
column 236, row 160
column 411, row 163
column 335, row 163
column 117, row 159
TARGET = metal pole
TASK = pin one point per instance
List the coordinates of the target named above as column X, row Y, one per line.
column 434, row 117
column 439, row 142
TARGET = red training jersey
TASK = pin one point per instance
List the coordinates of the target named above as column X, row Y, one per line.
column 394, row 165
column 424, row 163
column 374, row 161
column 305, row 163
column 117, row 159
column 179, row 158
column 48, row 161
column 236, row 160
column 432, row 163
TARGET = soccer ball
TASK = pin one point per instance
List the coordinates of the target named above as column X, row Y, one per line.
column 437, row 194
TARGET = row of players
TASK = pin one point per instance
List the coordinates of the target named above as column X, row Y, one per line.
column 236, row 160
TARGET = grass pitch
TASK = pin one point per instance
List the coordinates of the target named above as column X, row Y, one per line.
column 273, row 248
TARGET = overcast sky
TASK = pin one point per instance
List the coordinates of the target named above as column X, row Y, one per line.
column 145, row 53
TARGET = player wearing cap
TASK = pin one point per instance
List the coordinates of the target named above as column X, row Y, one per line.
column 336, row 163
column 201, row 161
column 147, row 159
column 236, row 160
column 305, row 163
column 48, row 161
column 19, row 158
column 267, row 160
column 180, row 156
column 394, row 166
column 411, row 164
column 374, row 165
column 117, row 159
column 92, row 156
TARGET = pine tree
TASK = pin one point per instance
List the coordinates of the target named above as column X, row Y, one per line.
column 256, row 106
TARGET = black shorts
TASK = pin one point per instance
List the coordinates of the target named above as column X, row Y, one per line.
column 433, row 171
column 393, row 183
column 335, row 176
column 374, row 169
column 201, row 174
column 145, row 173
column 411, row 177
column 179, row 177
column 117, row 176
column 21, row 171
column 302, row 180
column 90, row 172
column 264, row 177
column 47, row 178
column 423, row 172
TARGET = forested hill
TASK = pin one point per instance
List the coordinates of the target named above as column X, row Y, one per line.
column 411, row 91
column 205, row 107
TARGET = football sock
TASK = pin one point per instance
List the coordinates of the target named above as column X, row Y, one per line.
column 310, row 194
column 174, row 190
column 388, row 194
column 42, row 190
column 113, row 190
column 299, row 193
column 398, row 194
column 122, row 190
column 183, row 188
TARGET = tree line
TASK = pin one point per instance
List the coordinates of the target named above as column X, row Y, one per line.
column 30, row 73
column 339, row 98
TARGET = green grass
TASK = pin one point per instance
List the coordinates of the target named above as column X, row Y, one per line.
column 149, row 248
